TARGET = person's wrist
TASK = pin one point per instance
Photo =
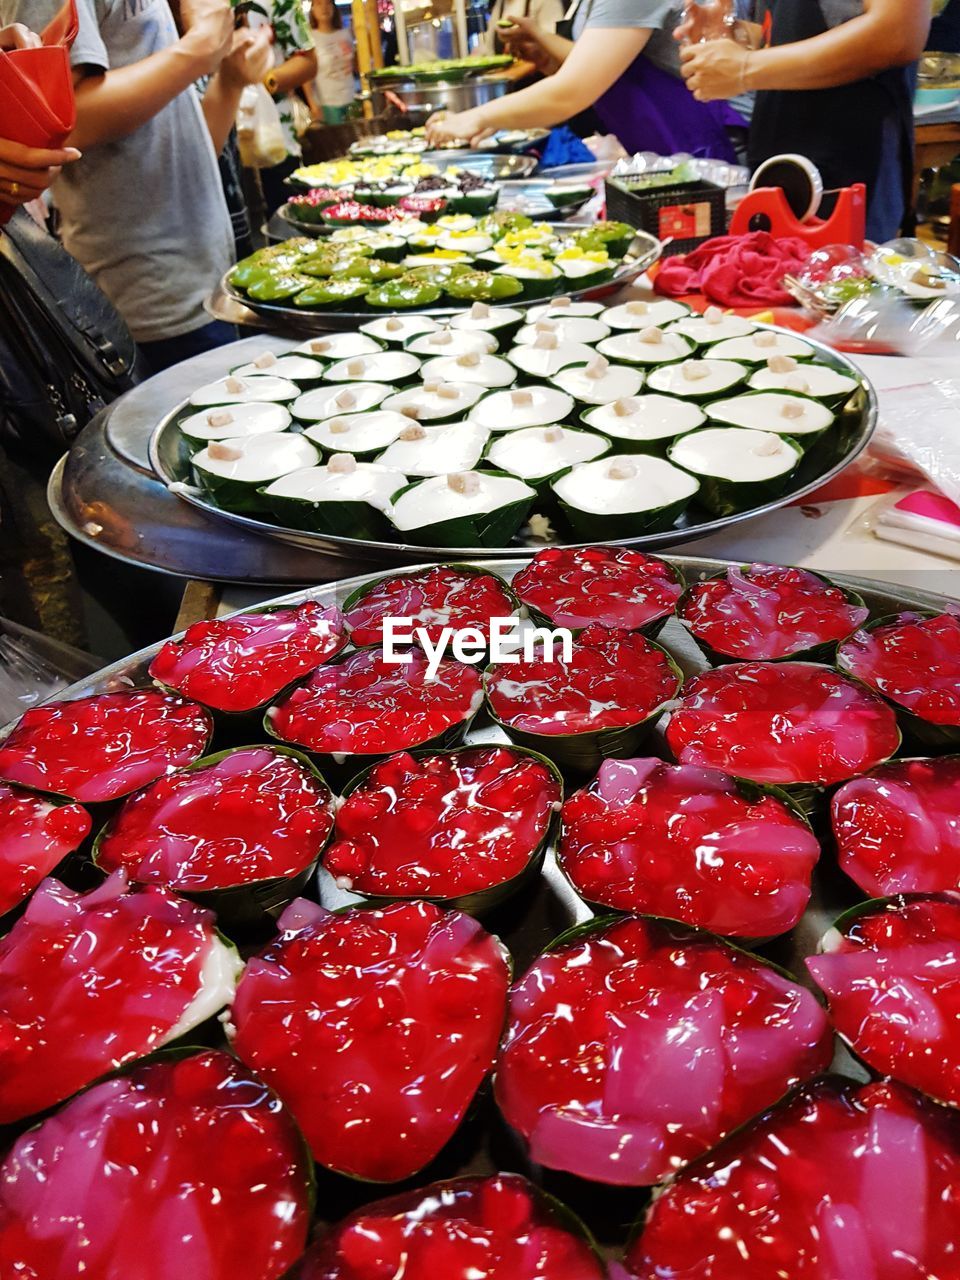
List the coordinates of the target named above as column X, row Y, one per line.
column 203, row 48
column 270, row 82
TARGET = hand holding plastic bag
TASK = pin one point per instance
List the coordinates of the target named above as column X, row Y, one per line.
column 259, row 132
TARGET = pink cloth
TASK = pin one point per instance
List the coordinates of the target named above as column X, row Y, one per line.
column 735, row 271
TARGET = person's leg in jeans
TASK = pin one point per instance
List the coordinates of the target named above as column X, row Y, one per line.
column 167, row 351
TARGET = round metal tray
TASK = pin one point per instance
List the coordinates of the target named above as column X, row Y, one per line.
column 831, row 455
column 488, row 164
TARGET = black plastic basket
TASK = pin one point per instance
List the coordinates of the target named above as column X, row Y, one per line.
column 685, row 213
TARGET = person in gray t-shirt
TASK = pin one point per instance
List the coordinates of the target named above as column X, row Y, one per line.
column 143, row 210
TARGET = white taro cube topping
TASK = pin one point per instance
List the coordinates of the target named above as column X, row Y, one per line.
column 219, row 418
column 479, row 311
column 222, row 451
column 342, row 464
column 598, row 368
column 781, row 364
column 414, row 432
column 796, row 382
column 621, row 469
column 765, row 338
column 265, row 360
column 410, row 411
column 768, row 446
column 319, row 345
column 469, row 359
column 345, row 399
column 236, row 386
column 447, row 392
column 713, row 315
column 652, row 335
column 625, row 406
column 393, row 324
column 432, row 385
column 521, row 399
column 465, row 483
column 547, row 341
column 338, row 427
column 637, row 308
column 552, row 435
column 356, row 368
column 792, row 409
column 693, row 371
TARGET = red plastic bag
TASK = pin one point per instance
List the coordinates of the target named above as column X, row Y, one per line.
column 37, row 106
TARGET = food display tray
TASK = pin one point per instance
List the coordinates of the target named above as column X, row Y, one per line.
column 529, row 921
column 836, row 450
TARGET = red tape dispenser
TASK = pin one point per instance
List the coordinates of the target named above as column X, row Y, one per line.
column 37, row 106
column 785, row 195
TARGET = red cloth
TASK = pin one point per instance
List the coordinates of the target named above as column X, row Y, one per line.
column 735, row 271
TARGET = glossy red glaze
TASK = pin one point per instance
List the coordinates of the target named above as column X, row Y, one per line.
column 367, row 706
column 241, row 663
column 914, row 661
column 493, row 1228
column 105, row 746
column 614, row 679
column 842, row 1182
column 89, row 982
column 781, row 722
column 35, row 835
column 186, row 1170
column 635, row 1048
column 436, row 598
column 685, row 843
column 253, row 815
column 442, row 826
column 897, row 829
column 376, row 1028
column 768, row 612
column 892, row 981
column 613, row 586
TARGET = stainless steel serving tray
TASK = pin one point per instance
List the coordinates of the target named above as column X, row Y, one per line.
column 832, row 454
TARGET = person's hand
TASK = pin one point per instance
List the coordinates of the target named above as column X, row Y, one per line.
column 525, row 39
column 717, row 69
column 444, row 128
column 26, row 172
column 17, row 36
column 702, row 22
column 249, row 59
column 208, row 29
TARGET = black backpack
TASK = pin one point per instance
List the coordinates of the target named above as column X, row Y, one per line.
column 65, row 352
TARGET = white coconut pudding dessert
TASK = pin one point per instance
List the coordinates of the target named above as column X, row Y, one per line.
column 697, row 379
column 484, row 318
column 623, row 493
column 786, row 414
column 564, row 308
column 235, row 390
column 650, row 346
column 534, row 454
column 340, row 346
column 232, row 470
column 435, row 451
column 452, row 342
column 784, row 373
column 525, row 407
column 435, row 401
column 472, row 366
column 472, row 506
column 547, row 355
column 736, row 467
column 467, row 241
column 599, row 381
column 295, row 368
column 537, row 275
column 234, row 422
column 386, row 366
column 396, row 330
column 345, row 497
column 358, row 433
column 758, row 347
column 641, row 314
column 329, row 402
column 713, row 326
column 645, row 423
column 565, row 328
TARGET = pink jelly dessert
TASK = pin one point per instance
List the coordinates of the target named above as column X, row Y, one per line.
column 764, row 612
column 841, row 1182
column 783, row 723
column 105, row 746
column 443, row 596
column 494, row 1228
column 240, row 817
column 35, row 835
column 181, row 1168
column 376, row 1028
column 635, row 1046
column 364, row 705
column 897, row 829
column 444, row 825
column 91, row 981
column 891, row 975
column 574, row 587
column 240, row 663
column 690, row 844
column 614, row 679
column 912, row 660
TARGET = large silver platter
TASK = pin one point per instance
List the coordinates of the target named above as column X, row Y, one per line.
column 833, row 453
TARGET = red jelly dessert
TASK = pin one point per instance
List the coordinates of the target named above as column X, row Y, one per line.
column 105, row 746
column 182, row 1168
column 613, row 679
column 433, row 599
column 35, row 835
column 690, row 844
column 841, row 1182
column 365, row 705
column 892, row 981
column 91, row 981
column 238, row 818
column 445, row 825
column 636, row 1045
column 493, row 1228
column 574, row 587
column 376, row 1028
column 782, row 722
column 897, row 829
column 243, row 662
column 764, row 612
column 912, row 660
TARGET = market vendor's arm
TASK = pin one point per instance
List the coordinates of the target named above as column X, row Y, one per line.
column 246, row 63
column 889, row 33
column 524, row 38
column 297, row 70
column 594, row 63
